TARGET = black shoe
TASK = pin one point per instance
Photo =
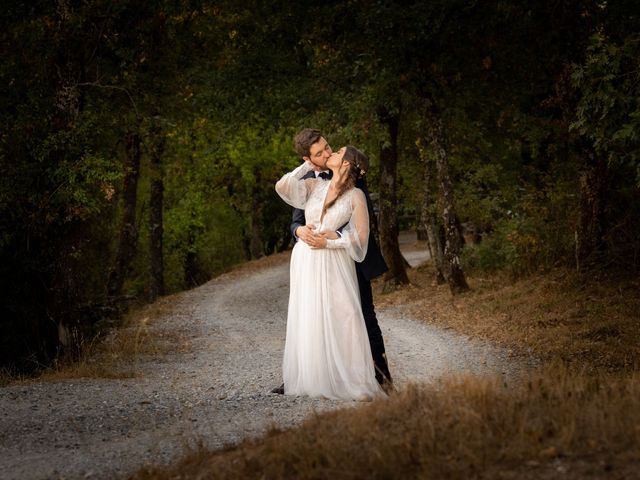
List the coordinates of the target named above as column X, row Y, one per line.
column 382, row 371
column 279, row 390
column 388, row 387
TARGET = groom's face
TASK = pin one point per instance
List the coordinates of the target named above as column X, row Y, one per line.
column 319, row 153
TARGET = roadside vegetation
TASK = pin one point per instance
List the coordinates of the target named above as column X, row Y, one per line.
column 557, row 425
column 590, row 321
column 116, row 353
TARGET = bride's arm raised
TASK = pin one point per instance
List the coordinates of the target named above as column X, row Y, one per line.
column 355, row 236
column 292, row 189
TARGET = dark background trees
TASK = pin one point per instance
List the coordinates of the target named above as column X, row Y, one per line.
column 140, row 141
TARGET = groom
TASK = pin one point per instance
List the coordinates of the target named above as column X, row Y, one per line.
column 312, row 146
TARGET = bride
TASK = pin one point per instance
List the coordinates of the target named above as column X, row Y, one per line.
column 327, row 350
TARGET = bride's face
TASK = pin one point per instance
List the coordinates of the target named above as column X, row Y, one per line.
column 336, row 159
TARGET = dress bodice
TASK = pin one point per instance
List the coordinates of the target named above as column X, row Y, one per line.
column 337, row 215
column 350, row 210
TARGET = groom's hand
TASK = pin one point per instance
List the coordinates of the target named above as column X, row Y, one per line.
column 305, row 233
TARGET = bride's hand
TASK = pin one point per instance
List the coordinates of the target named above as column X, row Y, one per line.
column 317, row 241
column 329, row 234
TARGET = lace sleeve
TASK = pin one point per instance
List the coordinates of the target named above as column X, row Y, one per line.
column 294, row 191
column 355, row 236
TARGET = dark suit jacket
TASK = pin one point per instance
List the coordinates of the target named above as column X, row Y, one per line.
column 373, row 264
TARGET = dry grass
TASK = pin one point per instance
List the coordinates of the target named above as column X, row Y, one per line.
column 585, row 321
column 9, row 376
column 559, row 424
column 118, row 353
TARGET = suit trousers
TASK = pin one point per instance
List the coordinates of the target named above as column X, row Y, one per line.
column 373, row 329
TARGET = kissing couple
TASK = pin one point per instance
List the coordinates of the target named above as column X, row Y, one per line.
column 334, row 346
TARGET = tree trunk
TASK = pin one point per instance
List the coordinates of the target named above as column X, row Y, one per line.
column 438, row 237
column 421, row 232
column 128, row 230
column 70, row 67
column 69, row 102
column 191, row 270
column 156, row 226
column 589, row 234
column 453, row 243
column 388, row 224
column 428, row 221
column 255, row 241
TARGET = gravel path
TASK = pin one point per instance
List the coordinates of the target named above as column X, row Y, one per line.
column 216, row 394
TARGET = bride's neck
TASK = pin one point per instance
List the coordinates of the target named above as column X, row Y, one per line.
column 338, row 179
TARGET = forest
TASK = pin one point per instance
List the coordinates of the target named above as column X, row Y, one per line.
column 140, row 142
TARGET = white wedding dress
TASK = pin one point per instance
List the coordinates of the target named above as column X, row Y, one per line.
column 327, row 352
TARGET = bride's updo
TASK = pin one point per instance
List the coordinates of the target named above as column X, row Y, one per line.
column 359, row 164
column 358, row 160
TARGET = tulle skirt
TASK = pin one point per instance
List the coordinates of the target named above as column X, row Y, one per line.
column 327, row 352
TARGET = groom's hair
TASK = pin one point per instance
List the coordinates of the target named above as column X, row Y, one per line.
column 304, row 139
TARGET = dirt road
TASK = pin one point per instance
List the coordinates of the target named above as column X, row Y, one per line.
column 216, row 393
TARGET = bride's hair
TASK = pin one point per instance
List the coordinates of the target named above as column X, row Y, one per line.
column 359, row 164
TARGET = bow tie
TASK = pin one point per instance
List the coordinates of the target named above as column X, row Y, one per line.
column 325, row 175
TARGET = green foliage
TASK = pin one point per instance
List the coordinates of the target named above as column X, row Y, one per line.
column 218, row 91
column 533, row 236
column 608, row 110
column 209, row 231
column 262, row 154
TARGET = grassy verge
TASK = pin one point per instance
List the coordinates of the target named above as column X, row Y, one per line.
column 560, row 424
column 587, row 321
column 116, row 354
